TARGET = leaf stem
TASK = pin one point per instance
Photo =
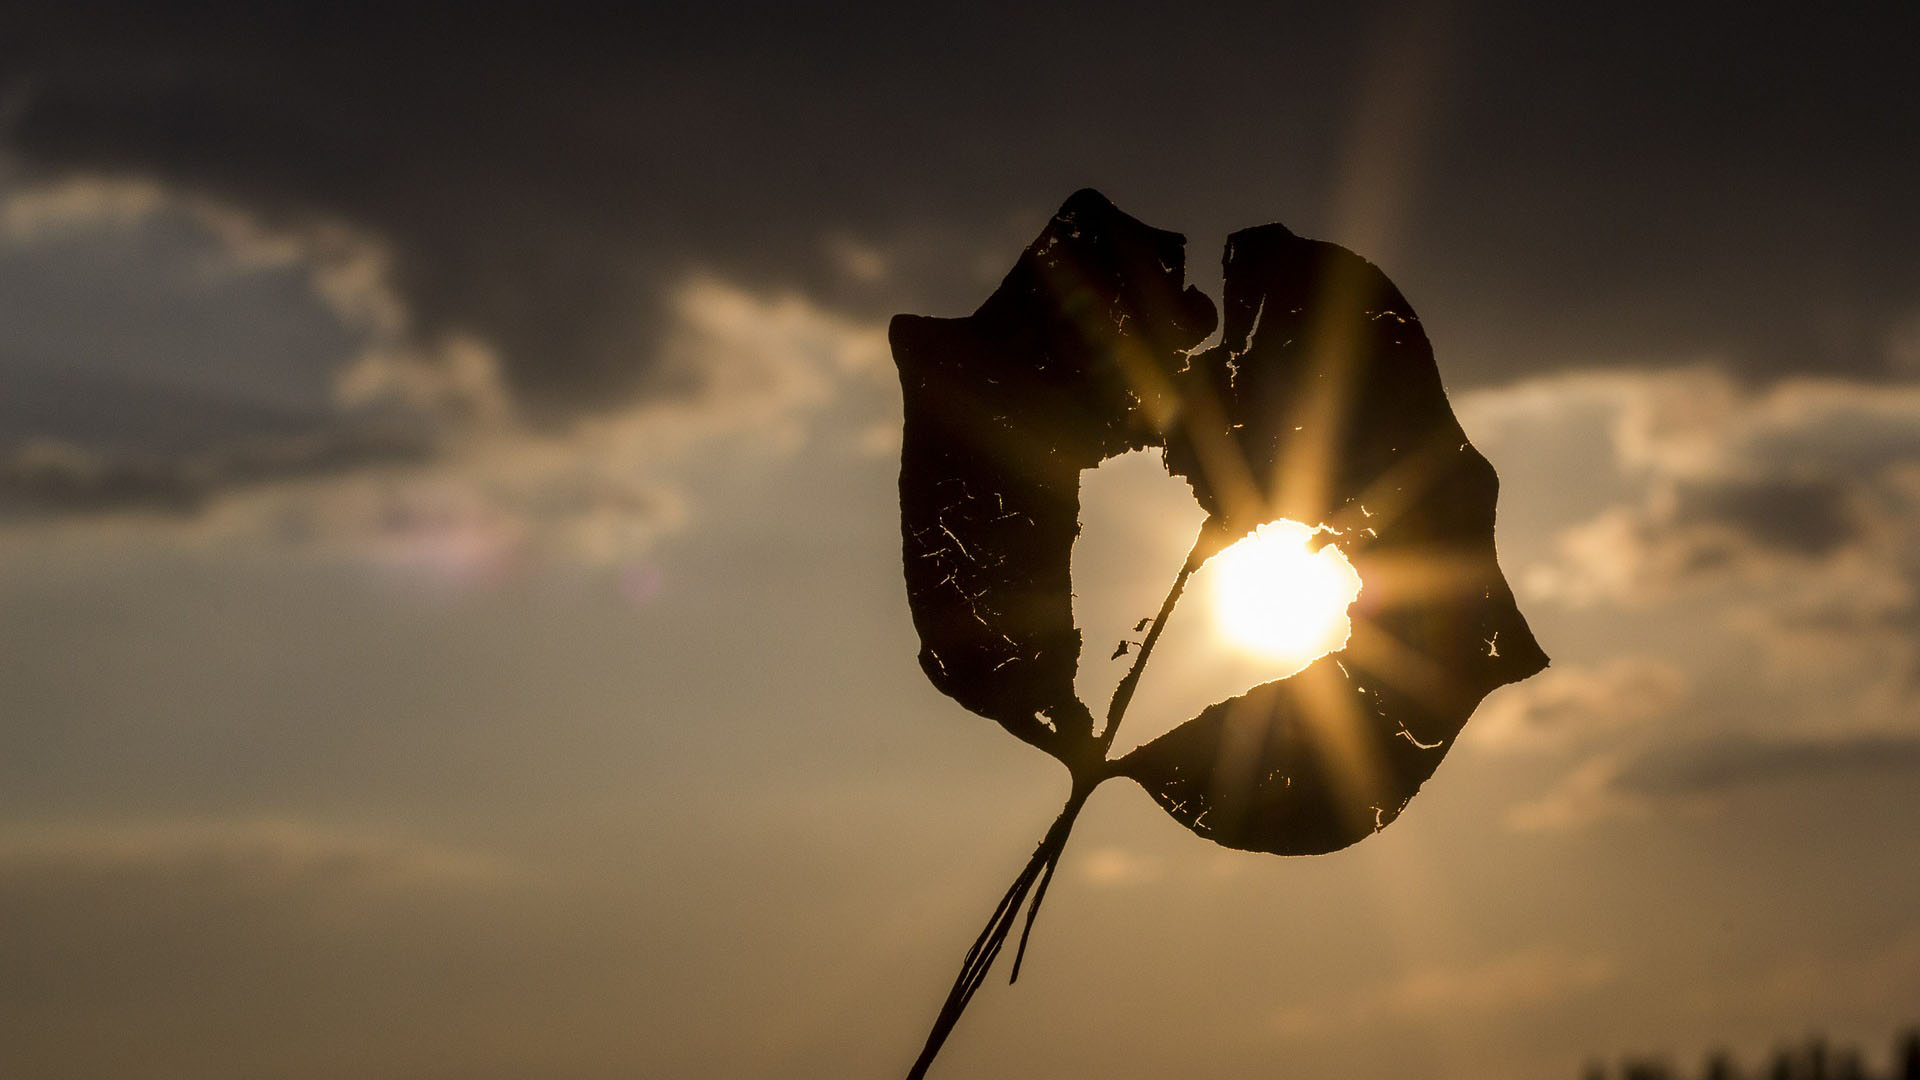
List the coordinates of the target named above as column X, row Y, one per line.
column 986, row 947
column 1040, row 867
column 1123, row 693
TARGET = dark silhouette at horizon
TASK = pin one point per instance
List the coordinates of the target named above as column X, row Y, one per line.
column 1814, row 1059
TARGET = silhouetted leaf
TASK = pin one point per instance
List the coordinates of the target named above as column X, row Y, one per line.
column 1004, row 409
column 1322, row 404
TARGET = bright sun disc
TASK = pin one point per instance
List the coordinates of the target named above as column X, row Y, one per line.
column 1275, row 597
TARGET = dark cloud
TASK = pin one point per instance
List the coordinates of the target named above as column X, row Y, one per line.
column 61, row 478
column 1799, row 517
column 1577, row 184
column 1799, row 494
column 132, row 415
column 148, row 364
column 1699, row 774
column 1715, row 767
column 1723, row 531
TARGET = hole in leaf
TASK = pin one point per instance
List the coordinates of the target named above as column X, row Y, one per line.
column 1136, row 526
column 1273, row 595
column 1263, row 609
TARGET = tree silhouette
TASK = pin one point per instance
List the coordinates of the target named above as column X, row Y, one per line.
column 1813, row 1060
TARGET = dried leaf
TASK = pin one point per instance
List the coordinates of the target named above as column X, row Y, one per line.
column 1322, row 404
column 1004, row 409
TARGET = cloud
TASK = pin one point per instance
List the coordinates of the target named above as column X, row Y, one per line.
column 408, row 481
column 1737, row 486
column 1699, row 776
column 1442, row 995
column 407, row 449
column 1117, row 867
column 1574, row 703
column 541, row 184
column 152, row 862
column 85, row 201
column 63, row 478
column 1767, row 537
column 1587, row 794
column 1701, row 422
column 165, row 348
column 180, row 239
column 1786, row 515
column 538, row 188
column 273, row 121
column 1804, row 518
column 1780, row 524
column 1736, row 762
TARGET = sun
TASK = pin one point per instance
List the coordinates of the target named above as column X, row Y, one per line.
column 1274, row 597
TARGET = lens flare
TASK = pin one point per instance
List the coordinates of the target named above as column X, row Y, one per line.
column 1275, row 597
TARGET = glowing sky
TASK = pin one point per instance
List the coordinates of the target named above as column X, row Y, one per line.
column 450, row 612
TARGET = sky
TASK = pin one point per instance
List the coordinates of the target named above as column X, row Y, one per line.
column 451, row 616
